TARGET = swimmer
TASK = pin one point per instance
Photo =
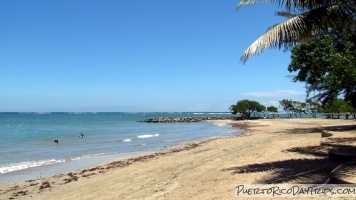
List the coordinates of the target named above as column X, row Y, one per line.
column 81, row 135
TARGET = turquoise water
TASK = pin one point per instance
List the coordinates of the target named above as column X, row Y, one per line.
column 27, row 139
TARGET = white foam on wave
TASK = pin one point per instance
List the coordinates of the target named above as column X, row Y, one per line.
column 127, row 140
column 219, row 124
column 147, row 136
column 5, row 168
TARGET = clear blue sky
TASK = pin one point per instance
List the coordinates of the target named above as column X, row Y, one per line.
column 137, row 55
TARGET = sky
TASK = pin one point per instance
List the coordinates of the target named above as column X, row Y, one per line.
column 137, row 56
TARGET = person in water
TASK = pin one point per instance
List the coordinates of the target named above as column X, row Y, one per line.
column 81, row 135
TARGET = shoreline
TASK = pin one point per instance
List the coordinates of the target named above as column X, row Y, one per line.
column 211, row 166
column 65, row 165
column 49, row 170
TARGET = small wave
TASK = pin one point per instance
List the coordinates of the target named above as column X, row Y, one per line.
column 28, row 164
column 127, row 140
column 5, row 168
column 147, row 136
column 87, row 156
column 84, row 156
column 219, row 124
column 176, row 140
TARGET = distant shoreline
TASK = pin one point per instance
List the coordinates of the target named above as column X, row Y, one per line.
column 187, row 119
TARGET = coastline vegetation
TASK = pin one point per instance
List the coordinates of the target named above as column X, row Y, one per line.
column 248, row 109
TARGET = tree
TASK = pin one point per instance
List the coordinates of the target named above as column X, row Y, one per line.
column 299, row 107
column 273, row 110
column 246, row 108
column 313, row 107
column 260, row 109
column 327, row 66
column 293, row 107
column 287, row 105
column 337, row 107
column 311, row 17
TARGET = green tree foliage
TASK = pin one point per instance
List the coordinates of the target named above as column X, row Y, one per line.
column 313, row 107
column 273, row 110
column 260, row 109
column 287, row 105
column 292, row 108
column 328, row 67
column 246, row 108
column 337, row 107
column 299, row 108
column 311, row 17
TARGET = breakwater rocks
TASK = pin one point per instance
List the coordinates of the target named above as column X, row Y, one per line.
column 186, row 119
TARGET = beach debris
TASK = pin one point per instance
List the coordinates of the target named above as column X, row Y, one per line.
column 23, row 193
column 93, row 169
column 45, row 185
column 72, row 177
column 33, row 184
column 87, row 175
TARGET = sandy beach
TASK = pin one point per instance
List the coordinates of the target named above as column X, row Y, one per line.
column 271, row 151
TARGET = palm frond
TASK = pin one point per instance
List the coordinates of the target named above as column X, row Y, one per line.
column 288, row 31
column 301, row 28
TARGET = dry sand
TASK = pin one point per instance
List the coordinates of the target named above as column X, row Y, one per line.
column 272, row 151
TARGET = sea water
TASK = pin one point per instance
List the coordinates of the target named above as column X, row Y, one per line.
column 28, row 150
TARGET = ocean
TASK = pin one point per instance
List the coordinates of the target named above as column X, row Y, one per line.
column 28, row 150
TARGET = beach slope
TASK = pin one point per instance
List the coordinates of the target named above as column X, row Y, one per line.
column 271, row 151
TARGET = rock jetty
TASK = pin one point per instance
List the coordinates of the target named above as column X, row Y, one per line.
column 186, row 119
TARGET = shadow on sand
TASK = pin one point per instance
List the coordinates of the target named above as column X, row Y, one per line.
column 341, row 128
column 306, row 171
column 302, row 171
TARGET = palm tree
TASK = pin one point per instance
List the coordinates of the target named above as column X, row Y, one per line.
column 313, row 17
